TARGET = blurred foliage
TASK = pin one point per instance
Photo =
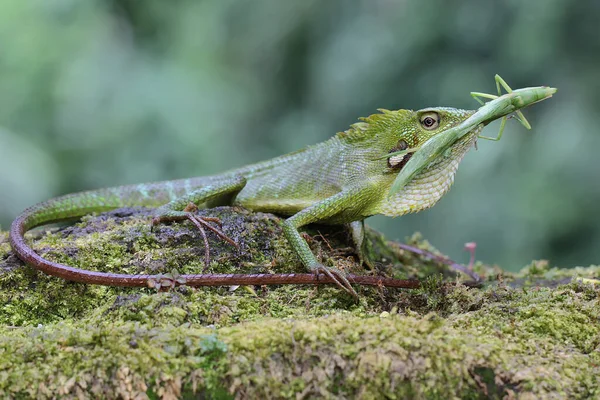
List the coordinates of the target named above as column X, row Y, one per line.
column 100, row 93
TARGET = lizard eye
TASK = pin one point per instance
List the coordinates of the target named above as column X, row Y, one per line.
column 430, row 120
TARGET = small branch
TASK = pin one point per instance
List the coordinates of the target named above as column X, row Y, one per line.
column 441, row 259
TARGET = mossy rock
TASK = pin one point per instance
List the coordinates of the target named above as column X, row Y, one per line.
column 535, row 334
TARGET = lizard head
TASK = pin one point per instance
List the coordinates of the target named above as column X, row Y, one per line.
column 499, row 107
column 407, row 131
column 423, row 148
column 428, row 174
column 411, row 129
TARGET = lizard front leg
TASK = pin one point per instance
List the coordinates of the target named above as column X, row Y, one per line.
column 361, row 244
column 184, row 207
column 322, row 211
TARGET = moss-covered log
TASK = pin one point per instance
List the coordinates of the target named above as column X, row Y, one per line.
column 534, row 334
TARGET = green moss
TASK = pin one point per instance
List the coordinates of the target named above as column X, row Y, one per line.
column 473, row 354
column 4, row 246
column 532, row 334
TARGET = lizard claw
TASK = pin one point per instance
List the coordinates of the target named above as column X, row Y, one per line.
column 201, row 223
column 338, row 277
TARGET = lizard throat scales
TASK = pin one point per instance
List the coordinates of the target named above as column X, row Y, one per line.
column 428, row 187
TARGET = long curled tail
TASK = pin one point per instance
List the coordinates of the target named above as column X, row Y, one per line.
column 79, row 204
column 59, row 209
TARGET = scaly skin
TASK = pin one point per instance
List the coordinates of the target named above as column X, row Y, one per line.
column 342, row 180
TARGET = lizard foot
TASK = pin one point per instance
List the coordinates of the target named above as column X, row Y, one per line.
column 201, row 223
column 339, row 278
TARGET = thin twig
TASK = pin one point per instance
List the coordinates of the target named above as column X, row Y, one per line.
column 441, row 259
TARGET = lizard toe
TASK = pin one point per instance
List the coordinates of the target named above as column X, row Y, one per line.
column 339, row 278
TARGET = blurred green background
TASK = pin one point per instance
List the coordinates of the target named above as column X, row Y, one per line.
column 102, row 93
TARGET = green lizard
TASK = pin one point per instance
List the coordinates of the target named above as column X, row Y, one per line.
column 392, row 163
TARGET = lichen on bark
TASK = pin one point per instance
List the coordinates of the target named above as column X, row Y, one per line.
column 533, row 334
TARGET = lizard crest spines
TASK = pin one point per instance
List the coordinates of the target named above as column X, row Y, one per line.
column 374, row 124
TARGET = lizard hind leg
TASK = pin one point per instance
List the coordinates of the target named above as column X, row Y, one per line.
column 185, row 208
column 189, row 213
